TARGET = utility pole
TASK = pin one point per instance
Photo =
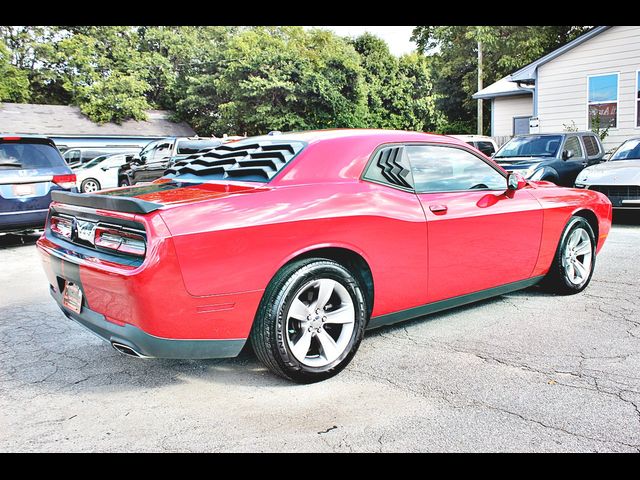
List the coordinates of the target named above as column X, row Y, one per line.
column 479, row 86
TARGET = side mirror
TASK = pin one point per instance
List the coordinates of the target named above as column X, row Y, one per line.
column 515, row 181
column 567, row 154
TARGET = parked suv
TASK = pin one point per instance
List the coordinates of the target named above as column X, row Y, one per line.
column 159, row 155
column 555, row 157
column 31, row 167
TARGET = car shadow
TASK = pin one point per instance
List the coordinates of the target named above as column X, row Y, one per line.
column 9, row 240
column 626, row 217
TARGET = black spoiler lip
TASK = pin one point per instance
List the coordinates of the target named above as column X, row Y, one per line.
column 105, row 202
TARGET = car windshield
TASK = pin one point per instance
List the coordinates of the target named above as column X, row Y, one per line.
column 95, row 161
column 186, row 147
column 21, row 155
column 531, row 146
column 627, row 151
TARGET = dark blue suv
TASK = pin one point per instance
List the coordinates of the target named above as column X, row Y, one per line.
column 31, row 167
column 555, row 157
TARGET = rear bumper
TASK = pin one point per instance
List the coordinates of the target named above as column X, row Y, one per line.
column 147, row 345
column 22, row 219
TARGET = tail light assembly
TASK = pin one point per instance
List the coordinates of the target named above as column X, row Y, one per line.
column 61, row 226
column 65, row 181
column 120, row 241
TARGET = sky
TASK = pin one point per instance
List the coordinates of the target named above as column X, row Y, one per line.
column 396, row 37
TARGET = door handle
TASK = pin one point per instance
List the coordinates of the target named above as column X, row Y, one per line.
column 438, row 208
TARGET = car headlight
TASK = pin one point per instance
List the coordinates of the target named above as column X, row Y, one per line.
column 534, row 172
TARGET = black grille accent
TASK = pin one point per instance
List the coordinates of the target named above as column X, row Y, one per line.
column 388, row 160
column 617, row 193
column 254, row 161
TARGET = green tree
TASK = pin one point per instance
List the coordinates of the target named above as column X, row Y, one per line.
column 278, row 78
column 14, row 83
column 453, row 54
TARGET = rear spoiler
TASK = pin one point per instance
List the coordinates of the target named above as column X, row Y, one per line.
column 105, row 202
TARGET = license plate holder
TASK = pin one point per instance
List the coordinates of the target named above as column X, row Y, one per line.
column 72, row 297
column 24, row 190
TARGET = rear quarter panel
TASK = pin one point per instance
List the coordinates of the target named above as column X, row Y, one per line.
column 237, row 244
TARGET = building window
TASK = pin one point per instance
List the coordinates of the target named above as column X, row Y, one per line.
column 603, row 101
column 638, row 98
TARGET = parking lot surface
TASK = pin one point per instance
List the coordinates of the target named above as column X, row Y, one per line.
column 527, row 371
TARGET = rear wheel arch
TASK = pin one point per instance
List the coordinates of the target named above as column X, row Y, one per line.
column 348, row 258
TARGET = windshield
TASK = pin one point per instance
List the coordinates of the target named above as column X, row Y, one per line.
column 627, row 151
column 531, row 146
column 29, row 155
column 187, row 147
column 95, row 161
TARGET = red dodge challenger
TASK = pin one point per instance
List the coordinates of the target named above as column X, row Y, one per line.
column 300, row 242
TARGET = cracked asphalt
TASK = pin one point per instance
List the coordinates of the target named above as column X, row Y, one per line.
column 527, row 371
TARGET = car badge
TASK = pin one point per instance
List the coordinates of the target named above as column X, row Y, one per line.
column 85, row 230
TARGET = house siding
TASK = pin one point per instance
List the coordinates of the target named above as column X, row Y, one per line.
column 504, row 109
column 562, row 83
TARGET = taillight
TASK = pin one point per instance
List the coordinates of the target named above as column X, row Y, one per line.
column 120, row 241
column 65, row 181
column 61, row 226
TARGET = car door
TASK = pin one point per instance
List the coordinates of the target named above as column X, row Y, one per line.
column 568, row 169
column 480, row 235
column 109, row 171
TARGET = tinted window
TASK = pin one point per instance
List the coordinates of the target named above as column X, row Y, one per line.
column 186, row 147
column 29, row 155
column 573, row 144
column 591, row 145
column 531, row 146
column 72, row 155
column 627, row 151
column 442, row 169
column 486, row 148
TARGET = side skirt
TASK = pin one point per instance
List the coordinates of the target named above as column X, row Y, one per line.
column 391, row 318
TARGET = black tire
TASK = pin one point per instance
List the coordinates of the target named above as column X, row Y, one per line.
column 557, row 279
column 268, row 336
column 86, row 181
column 124, row 182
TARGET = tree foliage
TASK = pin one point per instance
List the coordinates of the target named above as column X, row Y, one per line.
column 453, row 54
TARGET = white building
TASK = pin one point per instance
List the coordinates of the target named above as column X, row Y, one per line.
column 596, row 77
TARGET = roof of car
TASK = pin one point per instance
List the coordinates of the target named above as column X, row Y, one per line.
column 317, row 135
column 555, row 133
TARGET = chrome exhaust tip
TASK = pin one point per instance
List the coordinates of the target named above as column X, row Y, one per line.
column 126, row 350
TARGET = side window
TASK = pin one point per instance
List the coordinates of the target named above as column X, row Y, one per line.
column 486, row 148
column 448, row 169
column 72, row 155
column 390, row 166
column 591, row 145
column 162, row 152
column 573, row 143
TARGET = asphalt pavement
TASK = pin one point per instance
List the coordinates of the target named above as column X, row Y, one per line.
column 527, row 371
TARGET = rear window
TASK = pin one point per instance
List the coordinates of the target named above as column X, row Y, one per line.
column 187, row 147
column 591, row 145
column 21, row 155
column 486, row 148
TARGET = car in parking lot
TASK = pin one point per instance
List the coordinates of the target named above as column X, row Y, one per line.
column 553, row 157
column 300, row 241
column 79, row 156
column 157, row 156
column 486, row 145
column 101, row 172
column 618, row 178
column 31, row 167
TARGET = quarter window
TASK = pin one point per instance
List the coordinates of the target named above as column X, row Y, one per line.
column 448, row 169
column 591, row 145
column 603, row 101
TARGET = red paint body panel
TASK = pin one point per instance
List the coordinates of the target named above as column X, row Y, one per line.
column 213, row 248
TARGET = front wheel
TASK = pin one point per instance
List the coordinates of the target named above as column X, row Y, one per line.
column 310, row 322
column 575, row 258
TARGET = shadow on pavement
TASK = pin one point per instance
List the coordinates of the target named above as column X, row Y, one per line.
column 8, row 240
